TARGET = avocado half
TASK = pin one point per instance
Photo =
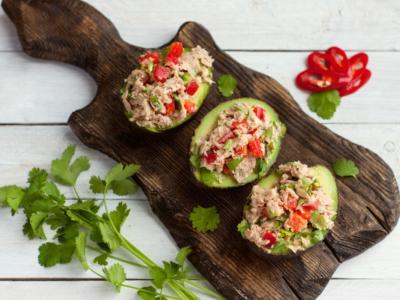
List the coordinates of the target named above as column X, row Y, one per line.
column 198, row 98
column 209, row 178
column 327, row 182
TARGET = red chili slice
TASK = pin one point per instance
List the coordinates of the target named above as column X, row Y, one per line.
column 316, row 81
column 356, row 83
column 170, row 108
column 357, row 64
column 271, row 238
column 210, row 157
column 339, row 62
column 189, row 106
column 260, row 112
column 192, row 88
column 254, row 148
column 226, row 137
column 160, row 73
column 318, row 61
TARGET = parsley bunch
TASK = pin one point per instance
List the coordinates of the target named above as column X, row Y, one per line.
column 80, row 226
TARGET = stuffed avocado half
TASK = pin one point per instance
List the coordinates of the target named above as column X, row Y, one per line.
column 236, row 143
column 291, row 210
column 167, row 88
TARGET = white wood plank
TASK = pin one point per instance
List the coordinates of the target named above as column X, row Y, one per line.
column 25, row 147
column 256, row 24
column 67, row 290
column 35, row 91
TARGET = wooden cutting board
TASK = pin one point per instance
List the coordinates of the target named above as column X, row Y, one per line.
column 73, row 32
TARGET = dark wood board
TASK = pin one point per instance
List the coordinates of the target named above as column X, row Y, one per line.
column 73, row 32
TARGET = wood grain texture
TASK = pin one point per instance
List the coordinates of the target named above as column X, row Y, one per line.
column 73, row 32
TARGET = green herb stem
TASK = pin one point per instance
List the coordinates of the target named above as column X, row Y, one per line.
column 116, row 257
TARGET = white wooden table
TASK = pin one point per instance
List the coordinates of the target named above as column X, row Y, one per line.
column 274, row 37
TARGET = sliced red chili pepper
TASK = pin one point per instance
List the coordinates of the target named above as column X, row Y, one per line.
column 254, row 148
column 189, row 106
column 160, row 73
column 260, row 112
column 237, row 124
column 170, row 108
column 339, row 62
column 355, row 83
column 242, row 151
column 271, row 238
column 357, row 64
column 318, row 61
column 155, row 56
column 296, row 222
column 316, row 81
column 176, row 49
column 192, row 87
column 210, row 157
column 226, row 137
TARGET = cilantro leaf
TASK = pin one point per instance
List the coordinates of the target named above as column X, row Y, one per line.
column 123, row 187
column 119, row 172
column 204, row 219
column 344, row 167
column 115, row 275
column 51, row 254
column 36, row 220
column 11, row 196
column 227, row 85
column 182, row 255
column 242, row 227
column 324, row 103
column 65, row 172
column 80, row 244
column 158, row 276
column 101, row 259
column 119, row 215
column 97, row 185
column 109, row 237
column 147, row 293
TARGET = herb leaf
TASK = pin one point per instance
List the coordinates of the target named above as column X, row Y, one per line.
column 344, row 167
column 182, row 255
column 115, row 275
column 80, row 244
column 242, row 227
column 324, row 103
column 227, row 85
column 65, row 172
column 205, row 219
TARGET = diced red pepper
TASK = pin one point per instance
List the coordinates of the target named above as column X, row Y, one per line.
column 316, row 80
column 237, row 124
column 153, row 55
column 226, row 170
column 254, row 148
column 210, row 157
column 192, row 87
column 226, row 137
column 260, row 112
column 291, row 203
column 176, row 49
column 311, row 206
column 253, row 131
column 296, row 222
column 160, row 73
column 242, row 151
column 172, row 59
column 190, row 106
column 170, row 108
column 304, row 214
column 271, row 239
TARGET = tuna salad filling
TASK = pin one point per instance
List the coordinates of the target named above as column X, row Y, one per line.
column 293, row 215
column 168, row 87
column 240, row 143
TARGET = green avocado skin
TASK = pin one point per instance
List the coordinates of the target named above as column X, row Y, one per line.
column 328, row 183
column 208, row 178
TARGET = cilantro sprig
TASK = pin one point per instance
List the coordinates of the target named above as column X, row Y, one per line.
column 324, row 104
column 205, row 219
column 344, row 167
column 86, row 225
column 227, row 85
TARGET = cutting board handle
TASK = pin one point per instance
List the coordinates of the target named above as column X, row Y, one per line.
column 68, row 31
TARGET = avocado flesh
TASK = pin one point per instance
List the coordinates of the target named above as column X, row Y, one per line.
column 198, row 98
column 208, row 123
column 326, row 180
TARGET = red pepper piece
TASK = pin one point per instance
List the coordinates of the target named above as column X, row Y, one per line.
column 357, row 64
column 189, row 106
column 271, row 239
column 170, row 108
column 160, row 73
column 339, row 62
column 237, row 124
column 318, row 61
column 296, row 222
column 210, row 157
column 311, row 206
column 254, row 148
column 291, row 203
column 226, row 137
column 304, row 214
column 355, row 83
column 176, row 49
column 192, row 87
column 226, row 170
column 242, row 151
column 253, row 131
column 260, row 112
column 153, row 55
column 316, row 81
